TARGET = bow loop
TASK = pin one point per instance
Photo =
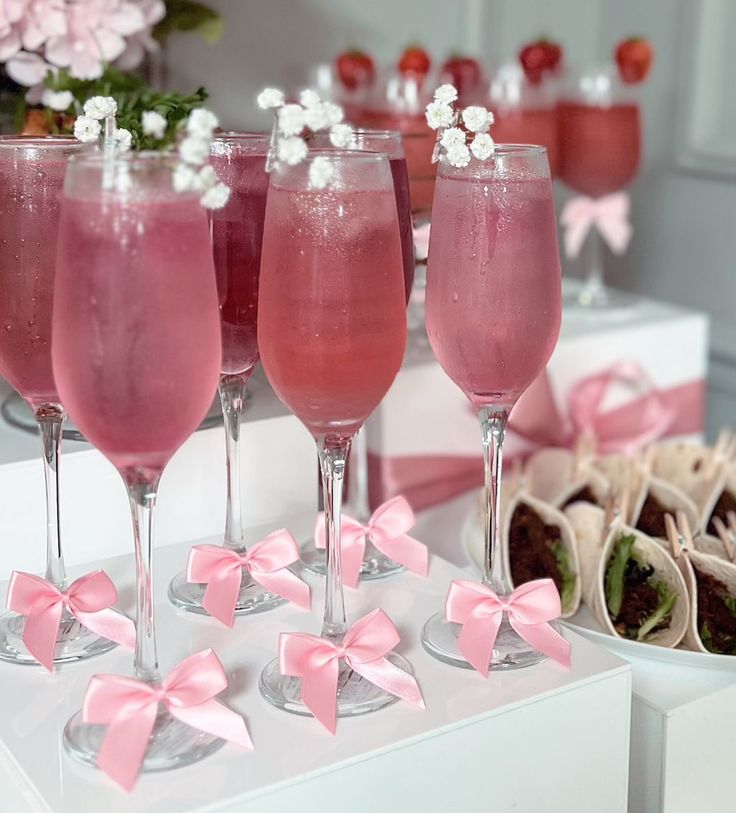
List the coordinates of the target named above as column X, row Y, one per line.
column 608, row 214
column 274, row 552
column 91, row 593
column 391, row 519
column 372, row 636
column 195, row 680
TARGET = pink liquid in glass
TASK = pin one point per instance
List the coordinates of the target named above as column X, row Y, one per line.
column 400, row 177
column 600, row 146
column 137, row 346
column 237, row 232
column 493, row 282
column 528, row 125
column 30, row 186
column 332, row 320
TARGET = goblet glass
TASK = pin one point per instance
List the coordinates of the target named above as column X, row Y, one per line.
column 493, row 317
column 31, row 176
column 332, row 332
column 136, row 355
column 237, row 230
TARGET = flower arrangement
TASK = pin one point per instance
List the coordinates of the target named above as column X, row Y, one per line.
column 461, row 134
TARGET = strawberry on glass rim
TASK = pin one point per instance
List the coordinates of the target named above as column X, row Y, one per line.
column 634, row 59
column 463, row 72
column 539, row 58
column 414, row 62
column 355, row 69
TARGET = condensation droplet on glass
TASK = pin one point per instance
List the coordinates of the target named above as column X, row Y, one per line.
column 455, row 296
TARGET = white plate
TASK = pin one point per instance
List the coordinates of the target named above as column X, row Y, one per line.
column 585, row 623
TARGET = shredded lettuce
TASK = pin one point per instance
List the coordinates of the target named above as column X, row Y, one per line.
column 667, row 601
column 614, row 584
column 567, row 575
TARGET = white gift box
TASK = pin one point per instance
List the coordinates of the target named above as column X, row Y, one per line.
column 424, row 439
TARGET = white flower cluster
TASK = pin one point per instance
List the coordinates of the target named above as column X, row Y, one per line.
column 87, row 127
column 312, row 114
column 455, row 128
column 194, row 150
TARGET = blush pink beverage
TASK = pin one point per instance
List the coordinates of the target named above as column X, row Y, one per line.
column 529, row 125
column 136, row 334
column 493, row 281
column 332, row 319
column 600, row 147
column 237, row 232
column 30, row 186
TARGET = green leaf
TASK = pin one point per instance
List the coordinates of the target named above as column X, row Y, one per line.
column 567, row 574
column 614, row 584
column 730, row 602
column 667, row 601
column 189, row 16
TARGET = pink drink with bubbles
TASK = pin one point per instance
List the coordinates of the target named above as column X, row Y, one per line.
column 493, row 277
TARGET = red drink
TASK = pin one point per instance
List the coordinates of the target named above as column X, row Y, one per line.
column 528, row 125
column 31, row 176
column 136, row 336
column 332, row 322
column 600, row 146
column 493, row 277
column 400, row 177
column 237, row 231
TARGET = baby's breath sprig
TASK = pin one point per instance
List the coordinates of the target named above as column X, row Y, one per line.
column 295, row 123
column 460, row 133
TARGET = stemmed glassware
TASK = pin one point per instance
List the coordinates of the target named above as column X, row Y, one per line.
column 375, row 564
column 237, row 230
column 31, row 176
column 332, row 332
column 136, row 356
column 493, row 317
column 600, row 150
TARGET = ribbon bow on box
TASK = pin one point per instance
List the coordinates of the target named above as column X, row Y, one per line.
column 267, row 562
column 529, row 608
column 128, row 707
column 609, row 214
column 89, row 599
column 317, row 662
column 386, row 529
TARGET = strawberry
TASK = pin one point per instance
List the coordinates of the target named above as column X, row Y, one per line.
column 538, row 58
column 355, row 69
column 414, row 61
column 634, row 59
column 463, row 72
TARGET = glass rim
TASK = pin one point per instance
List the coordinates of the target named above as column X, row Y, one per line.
column 375, row 133
column 519, row 149
column 340, row 153
column 9, row 141
column 240, row 135
column 129, row 158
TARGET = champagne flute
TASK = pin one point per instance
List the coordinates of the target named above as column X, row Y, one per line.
column 136, row 356
column 31, row 176
column 493, row 317
column 332, row 333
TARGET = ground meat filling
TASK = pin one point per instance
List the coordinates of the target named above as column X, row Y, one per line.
column 583, row 494
column 651, row 518
column 639, row 602
column 531, row 548
column 716, row 619
column 724, row 505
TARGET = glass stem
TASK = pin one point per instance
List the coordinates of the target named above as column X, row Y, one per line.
column 232, row 398
column 50, row 419
column 594, row 289
column 493, row 429
column 358, row 477
column 333, row 452
column 142, row 495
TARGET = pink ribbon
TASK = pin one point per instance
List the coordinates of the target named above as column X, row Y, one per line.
column 421, row 241
column 128, row 707
column 529, row 608
column 89, row 599
column 386, row 529
column 317, row 662
column 609, row 214
column 267, row 562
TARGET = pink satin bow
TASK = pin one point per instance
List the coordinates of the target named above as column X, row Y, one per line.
column 609, row 214
column 128, row 707
column 529, row 608
column 624, row 429
column 317, row 662
column 89, row 599
column 267, row 562
column 386, row 529
column 421, row 241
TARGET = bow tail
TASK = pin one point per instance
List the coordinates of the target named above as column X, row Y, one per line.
column 109, row 624
column 389, row 677
column 406, row 551
column 545, row 639
column 214, row 718
column 617, row 234
column 285, row 584
column 575, row 234
column 125, row 744
column 221, row 594
column 476, row 639
column 319, row 692
column 40, row 632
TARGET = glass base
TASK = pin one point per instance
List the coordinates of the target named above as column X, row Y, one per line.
column 355, row 694
column 172, row 744
column 596, row 299
column 252, row 597
column 375, row 564
column 510, row 651
column 74, row 642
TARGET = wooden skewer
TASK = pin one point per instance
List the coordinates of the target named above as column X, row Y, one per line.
column 648, row 458
column 730, row 451
column 723, row 442
column 684, row 527
column 725, row 537
column 673, row 535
